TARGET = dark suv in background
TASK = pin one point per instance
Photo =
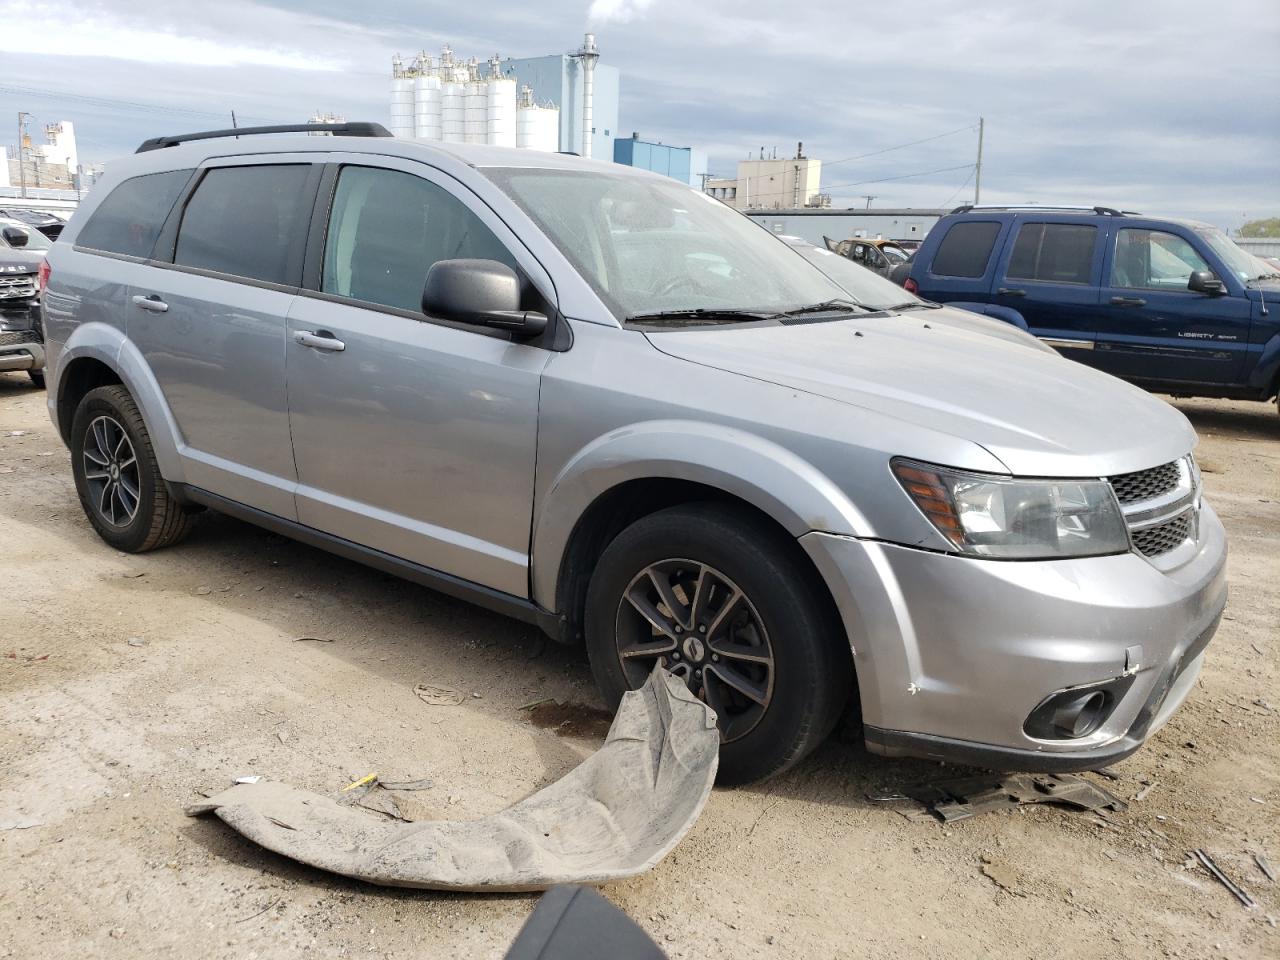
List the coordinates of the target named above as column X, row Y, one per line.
column 1171, row 305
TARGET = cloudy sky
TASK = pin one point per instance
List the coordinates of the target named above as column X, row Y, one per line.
column 1158, row 105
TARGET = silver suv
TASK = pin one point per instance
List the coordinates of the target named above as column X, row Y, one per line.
column 599, row 401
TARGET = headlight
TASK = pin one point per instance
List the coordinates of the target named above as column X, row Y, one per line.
column 1012, row 519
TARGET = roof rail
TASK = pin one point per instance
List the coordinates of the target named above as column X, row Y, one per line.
column 1100, row 211
column 337, row 129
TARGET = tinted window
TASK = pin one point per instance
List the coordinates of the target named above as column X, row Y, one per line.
column 1153, row 260
column 129, row 220
column 1053, row 252
column 386, row 230
column 247, row 221
column 965, row 250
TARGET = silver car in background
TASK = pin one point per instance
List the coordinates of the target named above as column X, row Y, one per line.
column 598, row 400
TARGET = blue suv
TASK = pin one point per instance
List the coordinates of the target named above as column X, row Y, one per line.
column 1171, row 305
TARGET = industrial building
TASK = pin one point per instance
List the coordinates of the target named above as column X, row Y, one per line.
column 562, row 102
column 54, row 164
column 770, row 183
column 812, row 224
column 680, row 163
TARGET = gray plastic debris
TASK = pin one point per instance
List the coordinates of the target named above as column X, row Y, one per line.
column 615, row 815
column 963, row 797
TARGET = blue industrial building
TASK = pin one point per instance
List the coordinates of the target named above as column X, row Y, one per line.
column 680, row 163
column 557, row 79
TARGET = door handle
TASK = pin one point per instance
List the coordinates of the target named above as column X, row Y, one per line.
column 1128, row 301
column 152, row 304
column 1011, row 292
column 320, row 340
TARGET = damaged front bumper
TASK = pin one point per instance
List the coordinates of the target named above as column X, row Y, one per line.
column 954, row 655
column 615, row 815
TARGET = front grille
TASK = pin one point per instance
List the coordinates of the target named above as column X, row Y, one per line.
column 17, row 288
column 1146, row 484
column 1154, row 541
column 18, row 338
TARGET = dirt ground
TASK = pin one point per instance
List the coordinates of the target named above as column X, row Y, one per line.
column 103, row 740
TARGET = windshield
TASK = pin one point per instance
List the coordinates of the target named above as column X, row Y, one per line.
column 651, row 246
column 868, row 288
column 1239, row 261
column 896, row 254
column 35, row 239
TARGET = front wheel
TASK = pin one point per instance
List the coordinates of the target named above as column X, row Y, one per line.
column 722, row 600
column 37, row 377
column 117, row 476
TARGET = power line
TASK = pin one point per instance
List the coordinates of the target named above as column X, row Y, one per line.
column 112, row 102
column 946, row 203
column 905, row 176
column 876, row 153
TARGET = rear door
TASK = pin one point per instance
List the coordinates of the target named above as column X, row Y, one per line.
column 412, row 435
column 210, row 321
column 1151, row 327
column 1049, row 274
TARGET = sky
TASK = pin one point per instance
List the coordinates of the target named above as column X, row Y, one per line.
column 1168, row 107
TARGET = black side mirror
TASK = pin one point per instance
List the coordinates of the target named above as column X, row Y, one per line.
column 1202, row 281
column 15, row 236
column 483, row 292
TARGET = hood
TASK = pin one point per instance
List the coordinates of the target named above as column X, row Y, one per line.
column 1038, row 413
column 977, row 323
column 29, row 259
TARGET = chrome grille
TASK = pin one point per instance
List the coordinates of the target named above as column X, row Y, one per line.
column 1146, row 484
column 18, row 338
column 1154, row 541
column 19, row 287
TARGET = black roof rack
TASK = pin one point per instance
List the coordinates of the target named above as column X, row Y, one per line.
column 337, row 129
column 1100, row 211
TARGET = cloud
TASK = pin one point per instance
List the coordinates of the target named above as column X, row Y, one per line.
column 602, row 12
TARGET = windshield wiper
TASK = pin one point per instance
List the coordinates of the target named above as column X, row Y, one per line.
column 913, row 305
column 827, row 306
column 709, row 314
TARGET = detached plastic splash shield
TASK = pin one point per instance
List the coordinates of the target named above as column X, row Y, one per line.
column 615, row 815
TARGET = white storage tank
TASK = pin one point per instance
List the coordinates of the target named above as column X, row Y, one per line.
column 401, row 100
column 500, row 115
column 428, row 117
column 477, row 112
column 452, row 111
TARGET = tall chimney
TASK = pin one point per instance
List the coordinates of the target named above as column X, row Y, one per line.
column 587, row 56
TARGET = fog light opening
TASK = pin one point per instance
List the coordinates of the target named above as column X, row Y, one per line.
column 1080, row 716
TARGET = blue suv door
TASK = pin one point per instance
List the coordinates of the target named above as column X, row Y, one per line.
column 1049, row 275
column 1151, row 327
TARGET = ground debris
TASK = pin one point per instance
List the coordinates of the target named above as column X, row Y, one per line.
column 1236, row 890
column 1264, row 866
column 1002, row 875
column 438, row 696
column 963, row 797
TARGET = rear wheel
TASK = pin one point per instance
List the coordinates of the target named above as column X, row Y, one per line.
column 721, row 600
column 117, row 476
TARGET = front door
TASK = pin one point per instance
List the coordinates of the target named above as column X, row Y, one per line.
column 412, row 435
column 211, row 325
column 1152, row 328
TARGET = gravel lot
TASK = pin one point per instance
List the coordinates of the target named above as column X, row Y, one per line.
column 102, row 742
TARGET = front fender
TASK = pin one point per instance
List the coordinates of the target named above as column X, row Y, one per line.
column 1265, row 374
column 785, row 487
column 109, row 346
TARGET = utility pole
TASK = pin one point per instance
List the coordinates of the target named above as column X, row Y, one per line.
column 868, row 197
column 23, row 117
column 977, row 170
column 704, row 177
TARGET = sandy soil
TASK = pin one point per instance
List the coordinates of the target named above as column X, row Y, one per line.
column 102, row 742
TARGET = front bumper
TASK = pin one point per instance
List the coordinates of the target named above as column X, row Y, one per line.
column 21, row 345
column 953, row 653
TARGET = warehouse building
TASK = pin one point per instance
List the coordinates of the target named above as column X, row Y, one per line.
column 812, row 224
column 680, row 163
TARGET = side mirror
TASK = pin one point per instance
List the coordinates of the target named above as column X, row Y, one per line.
column 15, row 236
column 482, row 292
column 1202, row 281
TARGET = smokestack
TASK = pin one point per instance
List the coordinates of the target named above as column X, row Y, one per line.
column 587, row 56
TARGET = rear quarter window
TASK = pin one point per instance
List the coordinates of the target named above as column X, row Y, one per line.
column 129, row 220
column 966, row 249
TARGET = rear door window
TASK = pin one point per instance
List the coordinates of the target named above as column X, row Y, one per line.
column 1053, row 252
column 387, row 228
column 248, row 221
column 129, row 220
column 966, row 249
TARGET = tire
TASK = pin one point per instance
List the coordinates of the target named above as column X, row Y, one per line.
column 134, row 512
column 782, row 616
column 37, row 377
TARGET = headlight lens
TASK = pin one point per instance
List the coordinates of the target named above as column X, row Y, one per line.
column 1012, row 519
